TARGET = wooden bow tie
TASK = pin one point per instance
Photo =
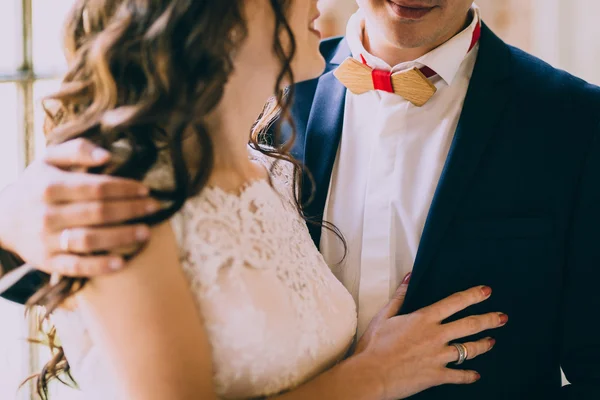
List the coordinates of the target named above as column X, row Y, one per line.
column 412, row 84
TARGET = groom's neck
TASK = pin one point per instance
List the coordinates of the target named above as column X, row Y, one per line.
column 382, row 44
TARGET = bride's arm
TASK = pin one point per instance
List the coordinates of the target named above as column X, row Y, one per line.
column 352, row 379
column 146, row 323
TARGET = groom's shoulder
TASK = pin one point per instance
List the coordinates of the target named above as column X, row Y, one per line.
column 330, row 46
column 541, row 82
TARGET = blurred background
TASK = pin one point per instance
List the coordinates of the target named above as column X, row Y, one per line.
column 565, row 33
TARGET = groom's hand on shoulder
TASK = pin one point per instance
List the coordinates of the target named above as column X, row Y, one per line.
column 66, row 222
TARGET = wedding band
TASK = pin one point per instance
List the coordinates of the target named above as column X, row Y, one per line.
column 64, row 240
column 463, row 353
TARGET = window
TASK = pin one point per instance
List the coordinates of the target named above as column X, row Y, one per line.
column 31, row 62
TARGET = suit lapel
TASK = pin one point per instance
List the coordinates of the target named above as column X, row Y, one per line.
column 484, row 106
column 323, row 133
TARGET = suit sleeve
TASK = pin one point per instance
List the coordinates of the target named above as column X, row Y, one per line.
column 25, row 288
column 580, row 342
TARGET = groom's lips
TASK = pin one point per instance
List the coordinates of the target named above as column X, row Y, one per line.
column 409, row 10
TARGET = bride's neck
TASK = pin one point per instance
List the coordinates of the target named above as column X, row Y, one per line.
column 229, row 126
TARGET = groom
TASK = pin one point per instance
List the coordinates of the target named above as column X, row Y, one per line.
column 491, row 176
column 495, row 179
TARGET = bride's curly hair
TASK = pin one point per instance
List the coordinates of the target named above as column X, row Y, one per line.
column 144, row 73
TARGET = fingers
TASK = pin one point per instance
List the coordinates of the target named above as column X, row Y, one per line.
column 457, row 302
column 76, row 187
column 474, row 324
column 77, row 215
column 474, row 349
column 460, row 377
column 76, row 153
column 75, row 266
column 396, row 302
column 92, row 240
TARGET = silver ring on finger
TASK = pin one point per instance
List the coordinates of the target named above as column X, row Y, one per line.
column 65, row 241
column 463, row 353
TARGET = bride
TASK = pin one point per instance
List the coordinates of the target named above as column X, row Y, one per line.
column 230, row 298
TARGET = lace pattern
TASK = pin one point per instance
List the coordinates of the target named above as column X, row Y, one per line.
column 222, row 237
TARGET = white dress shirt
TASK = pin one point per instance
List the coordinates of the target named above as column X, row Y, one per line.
column 387, row 169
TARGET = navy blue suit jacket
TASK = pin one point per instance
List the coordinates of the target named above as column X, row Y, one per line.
column 517, row 208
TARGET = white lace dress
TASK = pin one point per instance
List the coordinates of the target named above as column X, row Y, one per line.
column 275, row 314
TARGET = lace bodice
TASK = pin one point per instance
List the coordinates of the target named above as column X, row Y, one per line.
column 275, row 314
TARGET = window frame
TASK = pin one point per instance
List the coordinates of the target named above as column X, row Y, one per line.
column 24, row 78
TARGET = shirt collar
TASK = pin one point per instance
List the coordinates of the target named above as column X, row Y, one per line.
column 445, row 60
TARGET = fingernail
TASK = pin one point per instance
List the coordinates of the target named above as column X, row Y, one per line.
column 116, row 264
column 492, row 343
column 142, row 234
column 144, row 191
column 503, row 319
column 152, row 208
column 477, row 376
column 486, row 290
column 406, row 279
column 99, row 154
